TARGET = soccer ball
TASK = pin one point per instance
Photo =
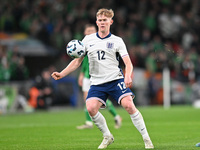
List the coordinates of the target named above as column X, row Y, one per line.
column 75, row 49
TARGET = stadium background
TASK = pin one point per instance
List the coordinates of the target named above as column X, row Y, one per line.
column 158, row 34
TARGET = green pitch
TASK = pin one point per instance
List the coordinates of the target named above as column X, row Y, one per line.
column 177, row 128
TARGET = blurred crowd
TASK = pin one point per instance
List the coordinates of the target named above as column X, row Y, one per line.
column 12, row 65
column 158, row 33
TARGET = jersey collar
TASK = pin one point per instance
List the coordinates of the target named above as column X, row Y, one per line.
column 104, row 37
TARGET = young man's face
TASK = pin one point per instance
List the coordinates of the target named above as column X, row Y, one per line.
column 103, row 23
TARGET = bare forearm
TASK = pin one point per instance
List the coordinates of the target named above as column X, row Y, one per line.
column 128, row 66
column 73, row 65
column 128, row 71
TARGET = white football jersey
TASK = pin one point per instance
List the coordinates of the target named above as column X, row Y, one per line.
column 103, row 62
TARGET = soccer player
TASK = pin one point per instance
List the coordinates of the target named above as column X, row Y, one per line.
column 107, row 78
column 84, row 81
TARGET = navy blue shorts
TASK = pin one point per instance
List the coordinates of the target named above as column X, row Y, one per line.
column 116, row 89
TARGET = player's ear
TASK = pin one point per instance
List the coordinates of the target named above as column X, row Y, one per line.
column 111, row 21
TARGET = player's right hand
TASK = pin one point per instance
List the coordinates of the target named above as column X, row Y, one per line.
column 56, row 75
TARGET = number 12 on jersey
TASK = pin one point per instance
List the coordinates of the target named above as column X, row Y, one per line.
column 101, row 55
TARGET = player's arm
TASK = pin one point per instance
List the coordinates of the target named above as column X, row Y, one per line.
column 80, row 79
column 73, row 65
column 128, row 70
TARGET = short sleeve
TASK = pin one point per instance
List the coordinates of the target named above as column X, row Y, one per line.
column 122, row 48
column 84, row 41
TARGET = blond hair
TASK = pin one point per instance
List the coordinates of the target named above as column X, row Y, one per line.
column 106, row 12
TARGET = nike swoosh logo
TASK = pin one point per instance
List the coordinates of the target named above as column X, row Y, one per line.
column 91, row 45
column 142, row 129
column 124, row 91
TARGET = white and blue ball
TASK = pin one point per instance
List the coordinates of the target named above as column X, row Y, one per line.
column 75, row 49
column 198, row 145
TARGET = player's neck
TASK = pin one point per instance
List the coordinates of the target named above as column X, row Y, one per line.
column 103, row 34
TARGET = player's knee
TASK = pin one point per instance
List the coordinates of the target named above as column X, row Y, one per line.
column 91, row 110
column 128, row 106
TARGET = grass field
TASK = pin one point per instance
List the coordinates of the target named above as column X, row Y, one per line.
column 177, row 128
